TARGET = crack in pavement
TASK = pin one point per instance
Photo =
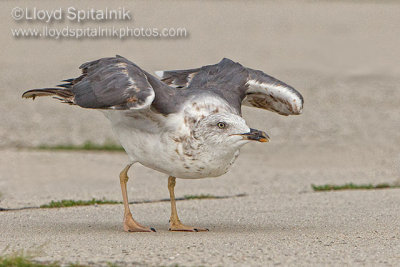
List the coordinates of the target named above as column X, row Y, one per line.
column 131, row 202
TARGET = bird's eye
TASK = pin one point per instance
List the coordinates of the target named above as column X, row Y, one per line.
column 221, row 125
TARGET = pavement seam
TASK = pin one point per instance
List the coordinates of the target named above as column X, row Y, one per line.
column 131, row 202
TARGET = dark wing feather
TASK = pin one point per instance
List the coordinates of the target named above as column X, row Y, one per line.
column 239, row 86
column 107, row 83
column 177, row 78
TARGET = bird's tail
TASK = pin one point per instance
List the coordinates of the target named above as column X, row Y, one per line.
column 63, row 94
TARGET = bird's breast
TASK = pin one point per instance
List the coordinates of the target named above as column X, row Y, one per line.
column 191, row 158
column 179, row 157
column 174, row 153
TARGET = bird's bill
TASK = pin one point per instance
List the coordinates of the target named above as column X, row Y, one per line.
column 255, row 135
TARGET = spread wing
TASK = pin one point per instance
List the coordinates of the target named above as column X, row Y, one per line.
column 107, row 83
column 239, row 86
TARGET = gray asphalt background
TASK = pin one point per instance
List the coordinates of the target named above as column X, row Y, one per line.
column 342, row 56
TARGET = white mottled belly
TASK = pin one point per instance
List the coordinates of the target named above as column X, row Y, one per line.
column 165, row 152
column 162, row 153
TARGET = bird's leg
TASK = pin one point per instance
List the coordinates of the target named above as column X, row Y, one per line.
column 130, row 225
column 174, row 222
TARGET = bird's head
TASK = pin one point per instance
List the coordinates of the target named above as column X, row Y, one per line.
column 227, row 129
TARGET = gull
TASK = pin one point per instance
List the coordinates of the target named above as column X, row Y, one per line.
column 186, row 123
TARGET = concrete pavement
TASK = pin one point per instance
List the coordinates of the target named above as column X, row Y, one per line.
column 280, row 221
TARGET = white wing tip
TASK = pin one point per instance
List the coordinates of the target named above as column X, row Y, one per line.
column 159, row 73
column 297, row 105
